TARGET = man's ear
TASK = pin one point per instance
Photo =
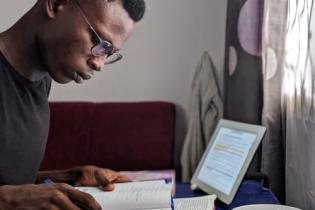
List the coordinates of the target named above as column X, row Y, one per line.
column 54, row 6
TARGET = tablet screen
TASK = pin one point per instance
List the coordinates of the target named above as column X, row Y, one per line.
column 226, row 158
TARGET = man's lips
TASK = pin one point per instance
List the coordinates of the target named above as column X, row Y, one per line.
column 80, row 76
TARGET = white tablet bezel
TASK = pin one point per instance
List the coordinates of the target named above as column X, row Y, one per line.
column 258, row 130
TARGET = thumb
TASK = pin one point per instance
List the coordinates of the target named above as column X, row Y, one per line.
column 104, row 182
column 109, row 187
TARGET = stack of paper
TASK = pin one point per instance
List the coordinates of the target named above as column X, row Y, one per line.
column 133, row 195
column 149, row 175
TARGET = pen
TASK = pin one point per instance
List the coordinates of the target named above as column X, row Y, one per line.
column 48, row 181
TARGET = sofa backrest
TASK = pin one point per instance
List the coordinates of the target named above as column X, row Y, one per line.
column 120, row 136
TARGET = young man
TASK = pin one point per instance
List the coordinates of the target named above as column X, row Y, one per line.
column 64, row 40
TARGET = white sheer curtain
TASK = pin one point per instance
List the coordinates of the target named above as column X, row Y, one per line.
column 289, row 106
column 273, row 45
column 298, row 98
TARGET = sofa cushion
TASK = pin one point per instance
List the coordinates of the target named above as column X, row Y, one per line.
column 121, row 136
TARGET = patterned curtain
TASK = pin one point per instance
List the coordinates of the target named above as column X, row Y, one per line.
column 243, row 71
column 273, row 146
column 275, row 85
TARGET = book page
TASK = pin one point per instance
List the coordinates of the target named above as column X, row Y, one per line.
column 195, row 203
column 133, row 195
column 158, row 209
column 150, row 175
column 167, row 175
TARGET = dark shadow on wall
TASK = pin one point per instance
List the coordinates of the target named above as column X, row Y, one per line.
column 180, row 132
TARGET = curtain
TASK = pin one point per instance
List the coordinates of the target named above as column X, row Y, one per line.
column 270, row 72
column 243, row 70
column 288, row 54
column 273, row 44
column 298, row 104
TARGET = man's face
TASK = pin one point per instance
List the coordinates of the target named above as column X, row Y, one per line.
column 67, row 43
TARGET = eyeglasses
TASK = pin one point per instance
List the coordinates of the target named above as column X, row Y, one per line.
column 101, row 47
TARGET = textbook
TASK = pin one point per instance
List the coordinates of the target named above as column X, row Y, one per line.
column 167, row 175
column 133, row 195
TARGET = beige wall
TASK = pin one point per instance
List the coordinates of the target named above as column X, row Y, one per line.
column 160, row 58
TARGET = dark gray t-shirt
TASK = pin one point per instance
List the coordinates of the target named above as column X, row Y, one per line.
column 24, row 124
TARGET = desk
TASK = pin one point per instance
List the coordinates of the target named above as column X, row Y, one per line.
column 250, row 192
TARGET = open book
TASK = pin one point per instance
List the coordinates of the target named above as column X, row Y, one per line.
column 167, row 175
column 133, row 195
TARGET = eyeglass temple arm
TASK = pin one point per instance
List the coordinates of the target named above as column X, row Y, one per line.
column 85, row 18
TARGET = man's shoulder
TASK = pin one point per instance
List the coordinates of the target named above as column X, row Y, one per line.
column 47, row 81
column 3, row 65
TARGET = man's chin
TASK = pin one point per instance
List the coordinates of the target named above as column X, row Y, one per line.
column 64, row 80
column 61, row 80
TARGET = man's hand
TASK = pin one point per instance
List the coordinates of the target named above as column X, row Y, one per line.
column 95, row 176
column 43, row 196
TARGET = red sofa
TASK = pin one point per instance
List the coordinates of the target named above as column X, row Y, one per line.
column 121, row 136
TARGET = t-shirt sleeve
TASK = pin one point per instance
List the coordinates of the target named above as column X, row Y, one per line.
column 48, row 84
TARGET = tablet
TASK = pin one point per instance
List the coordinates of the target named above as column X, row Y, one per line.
column 227, row 158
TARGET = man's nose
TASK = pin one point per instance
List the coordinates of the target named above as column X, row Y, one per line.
column 97, row 63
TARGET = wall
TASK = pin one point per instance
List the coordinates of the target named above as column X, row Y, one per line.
column 160, row 58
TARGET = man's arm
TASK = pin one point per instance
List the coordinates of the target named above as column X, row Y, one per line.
column 43, row 196
column 60, row 176
column 85, row 176
column 59, row 196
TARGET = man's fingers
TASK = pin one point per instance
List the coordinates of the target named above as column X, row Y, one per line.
column 122, row 178
column 105, row 176
column 62, row 201
column 109, row 187
column 80, row 199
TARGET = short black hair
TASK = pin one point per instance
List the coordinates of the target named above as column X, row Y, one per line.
column 135, row 9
